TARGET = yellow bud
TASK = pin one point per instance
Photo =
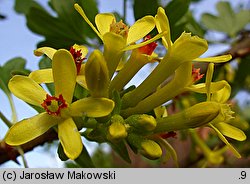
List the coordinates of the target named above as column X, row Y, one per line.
column 97, row 75
column 150, row 149
column 117, row 131
column 142, row 122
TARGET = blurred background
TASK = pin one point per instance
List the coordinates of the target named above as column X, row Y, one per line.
column 28, row 24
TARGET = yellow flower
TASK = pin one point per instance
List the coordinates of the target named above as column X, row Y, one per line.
column 45, row 75
column 110, row 32
column 59, row 108
column 185, row 49
column 219, row 92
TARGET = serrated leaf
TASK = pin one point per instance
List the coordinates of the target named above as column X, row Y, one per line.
column 64, row 29
column 227, row 21
column 24, row 6
column 15, row 65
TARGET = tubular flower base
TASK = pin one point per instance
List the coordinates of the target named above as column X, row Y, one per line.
column 108, row 110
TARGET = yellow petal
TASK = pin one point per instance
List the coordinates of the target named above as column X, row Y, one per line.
column 64, row 74
column 27, row 89
column 82, row 13
column 140, row 29
column 103, row 21
column 162, row 24
column 70, row 138
column 48, row 51
column 28, row 129
column 42, row 76
column 188, row 48
column 113, row 54
column 220, row 135
column 92, row 107
column 231, row 131
column 135, row 46
column 214, row 87
column 216, row 59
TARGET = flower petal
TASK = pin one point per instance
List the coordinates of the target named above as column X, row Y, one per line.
column 221, row 136
column 113, row 54
column 188, row 48
column 82, row 13
column 140, row 29
column 162, row 24
column 215, row 59
column 70, row 138
column 42, row 76
column 48, row 51
column 135, row 46
column 231, row 131
column 27, row 89
column 92, row 107
column 103, row 22
column 64, row 74
column 28, row 129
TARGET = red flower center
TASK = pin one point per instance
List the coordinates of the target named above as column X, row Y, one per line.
column 149, row 48
column 53, row 105
column 77, row 55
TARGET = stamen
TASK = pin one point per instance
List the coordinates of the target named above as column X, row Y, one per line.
column 119, row 28
column 53, row 105
column 196, row 74
column 149, row 48
column 77, row 55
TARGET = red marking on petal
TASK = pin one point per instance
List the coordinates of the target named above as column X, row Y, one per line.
column 149, row 48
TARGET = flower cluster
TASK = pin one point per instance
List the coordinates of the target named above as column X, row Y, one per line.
column 109, row 111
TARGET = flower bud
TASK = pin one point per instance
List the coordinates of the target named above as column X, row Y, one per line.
column 97, row 75
column 150, row 149
column 142, row 122
column 117, row 129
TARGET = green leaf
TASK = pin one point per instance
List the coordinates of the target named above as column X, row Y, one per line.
column 84, row 160
column 227, row 21
column 142, row 8
column 24, row 6
column 64, row 29
column 175, row 11
column 193, row 26
column 11, row 67
column 121, row 149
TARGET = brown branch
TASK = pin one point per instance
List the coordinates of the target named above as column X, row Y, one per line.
column 11, row 153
